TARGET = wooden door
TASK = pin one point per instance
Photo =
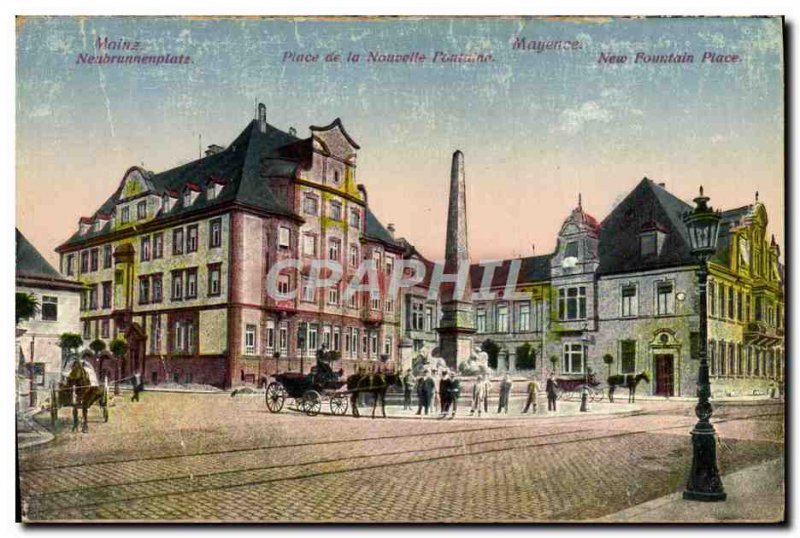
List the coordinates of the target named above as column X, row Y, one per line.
column 665, row 369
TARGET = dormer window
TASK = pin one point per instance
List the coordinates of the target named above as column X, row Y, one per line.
column 571, row 250
column 211, row 192
column 141, row 210
column 98, row 225
column 125, row 215
column 83, row 227
column 187, row 198
column 648, row 244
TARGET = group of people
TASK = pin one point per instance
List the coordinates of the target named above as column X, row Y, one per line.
column 439, row 392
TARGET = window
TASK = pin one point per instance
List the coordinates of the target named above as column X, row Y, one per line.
column 712, row 358
column 107, row 294
column 313, row 337
column 310, row 205
column 144, row 290
column 95, row 258
column 177, row 241
column 187, row 198
column 309, row 291
column 739, row 306
column 283, row 237
column 354, row 258
column 85, row 261
column 105, row 331
column 177, row 285
column 353, row 302
column 145, row 249
column 665, row 300
column 141, row 210
column 429, row 325
column 250, row 340
column 93, row 297
column 502, row 318
column 355, row 218
column 627, row 359
column 107, row 257
column 389, row 264
column 648, row 244
column 573, row 358
column 336, row 339
column 184, row 337
column 214, row 279
column 191, row 283
column 269, row 341
column 336, row 177
column 389, row 304
column 191, row 238
column 158, row 293
column 334, row 247
column 571, row 250
column 524, row 317
column 215, row 233
column 747, row 307
column 87, row 330
column 712, row 300
column 629, row 303
column 309, row 245
column 211, row 192
column 49, row 308
column 480, row 320
column 283, row 337
column 572, row 303
column 354, row 337
column 125, row 216
column 373, row 345
column 387, row 346
column 336, row 210
column 333, row 295
column 417, row 317
column 721, row 291
column 283, row 284
column 375, row 302
column 723, row 370
column 70, row 264
column 158, row 245
column 730, row 302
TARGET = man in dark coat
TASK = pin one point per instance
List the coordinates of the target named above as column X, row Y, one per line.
column 551, row 392
column 444, row 393
column 408, row 386
column 428, row 386
column 137, row 386
column 455, row 392
column 505, row 393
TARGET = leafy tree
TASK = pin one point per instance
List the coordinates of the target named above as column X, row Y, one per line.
column 492, row 349
column 27, row 306
column 609, row 360
column 553, row 362
column 526, row 357
column 97, row 346
column 118, row 347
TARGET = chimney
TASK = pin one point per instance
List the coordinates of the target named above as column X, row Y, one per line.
column 662, row 185
column 262, row 117
column 213, row 149
column 292, row 131
column 363, row 190
column 390, row 229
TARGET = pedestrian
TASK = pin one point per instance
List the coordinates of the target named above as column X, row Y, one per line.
column 421, row 393
column 487, row 383
column 455, row 392
column 435, row 402
column 444, row 393
column 478, row 395
column 408, row 385
column 137, row 386
column 533, row 392
column 550, row 388
column 505, row 393
column 428, row 389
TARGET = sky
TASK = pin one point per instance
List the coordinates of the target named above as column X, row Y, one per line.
column 536, row 128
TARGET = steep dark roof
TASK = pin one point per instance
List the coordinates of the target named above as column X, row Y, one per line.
column 375, row 230
column 30, row 262
column 533, row 269
column 646, row 206
column 245, row 168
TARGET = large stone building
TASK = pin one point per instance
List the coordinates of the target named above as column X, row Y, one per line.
column 178, row 261
column 627, row 288
column 39, row 355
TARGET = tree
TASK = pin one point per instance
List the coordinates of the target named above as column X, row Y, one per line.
column 98, row 347
column 608, row 359
column 27, row 306
column 69, row 343
column 118, row 347
column 553, row 362
column 526, row 357
column 492, row 349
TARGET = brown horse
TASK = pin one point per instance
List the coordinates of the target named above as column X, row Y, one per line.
column 78, row 392
column 626, row 380
column 371, row 383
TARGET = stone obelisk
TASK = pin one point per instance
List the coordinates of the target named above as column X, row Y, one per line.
column 458, row 324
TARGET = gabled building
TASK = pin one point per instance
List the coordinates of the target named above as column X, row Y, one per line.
column 39, row 357
column 177, row 261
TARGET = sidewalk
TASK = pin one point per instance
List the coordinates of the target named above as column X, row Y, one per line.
column 755, row 495
column 29, row 432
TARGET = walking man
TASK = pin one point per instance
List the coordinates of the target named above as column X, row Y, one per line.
column 478, row 395
column 408, row 385
column 551, row 392
column 487, row 383
column 137, row 386
column 505, row 393
column 533, row 392
column 444, row 393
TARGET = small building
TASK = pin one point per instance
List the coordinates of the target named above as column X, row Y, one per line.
column 39, row 357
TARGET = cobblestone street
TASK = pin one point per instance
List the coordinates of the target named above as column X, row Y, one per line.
column 216, row 458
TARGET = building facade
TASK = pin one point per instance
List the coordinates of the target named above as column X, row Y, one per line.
column 39, row 356
column 178, row 263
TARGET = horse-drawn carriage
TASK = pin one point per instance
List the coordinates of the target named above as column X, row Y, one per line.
column 79, row 390
column 570, row 387
column 309, row 391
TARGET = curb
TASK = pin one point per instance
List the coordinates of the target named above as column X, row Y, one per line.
column 45, row 436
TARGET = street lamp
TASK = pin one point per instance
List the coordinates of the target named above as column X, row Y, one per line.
column 704, row 483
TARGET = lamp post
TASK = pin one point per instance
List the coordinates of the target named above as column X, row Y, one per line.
column 704, row 483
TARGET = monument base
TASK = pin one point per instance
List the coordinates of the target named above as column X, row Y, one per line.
column 455, row 346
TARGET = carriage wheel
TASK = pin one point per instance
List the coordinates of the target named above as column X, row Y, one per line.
column 275, row 397
column 300, row 404
column 339, row 404
column 312, row 403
